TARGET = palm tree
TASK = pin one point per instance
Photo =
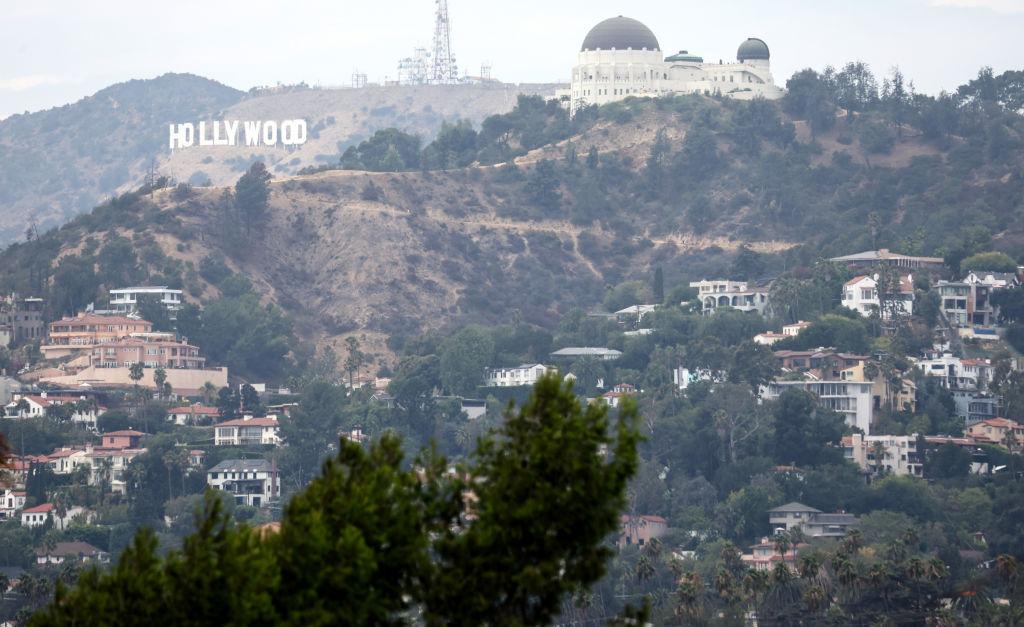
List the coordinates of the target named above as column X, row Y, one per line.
column 159, row 378
column 690, row 599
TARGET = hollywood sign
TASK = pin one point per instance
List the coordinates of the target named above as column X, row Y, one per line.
column 235, row 133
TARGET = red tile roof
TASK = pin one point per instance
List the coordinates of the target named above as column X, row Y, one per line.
column 45, row 508
column 124, row 433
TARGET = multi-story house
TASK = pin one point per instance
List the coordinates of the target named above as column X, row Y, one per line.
column 247, row 431
column 613, row 397
column 884, row 454
column 71, row 336
column 21, row 320
column 861, row 295
column 766, row 554
column 897, row 394
column 107, row 467
column 525, row 374
column 956, row 373
column 126, row 299
column 822, row 363
column 735, row 294
column 966, row 304
column 252, row 482
column 11, row 502
column 1001, row 431
column 151, row 351
column 640, row 530
column 812, row 522
column 852, row 399
column 994, row 280
column 975, row 406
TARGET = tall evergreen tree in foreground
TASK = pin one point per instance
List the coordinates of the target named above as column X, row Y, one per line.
column 502, row 539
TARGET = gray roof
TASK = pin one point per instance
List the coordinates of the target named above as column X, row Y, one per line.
column 242, row 465
column 753, row 48
column 620, row 33
column 794, row 507
column 580, row 351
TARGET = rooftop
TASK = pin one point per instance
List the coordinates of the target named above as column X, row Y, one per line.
column 242, row 465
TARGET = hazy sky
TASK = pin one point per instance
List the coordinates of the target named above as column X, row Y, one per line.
column 54, row 52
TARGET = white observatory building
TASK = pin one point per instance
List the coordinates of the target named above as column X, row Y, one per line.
column 621, row 57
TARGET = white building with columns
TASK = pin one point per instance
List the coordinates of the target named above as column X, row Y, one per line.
column 621, row 57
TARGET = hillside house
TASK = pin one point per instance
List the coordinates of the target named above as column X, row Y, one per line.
column 852, row 399
column 72, row 335
column 739, row 295
column 766, row 554
column 196, row 414
column 861, row 295
column 11, row 502
column 125, row 300
column 575, row 352
column 992, row 280
column 884, row 454
column 955, row 373
column 247, row 431
column 640, row 530
column 37, row 516
column 966, row 304
column 613, row 397
column 79, row 552
column 812, row 522
column 252, row 482
column 524, row 374
column 885, row 257
column 998, row 431
column 126, row 438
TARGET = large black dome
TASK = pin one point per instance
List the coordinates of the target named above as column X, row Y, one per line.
column 753, row 48
column 620, row 33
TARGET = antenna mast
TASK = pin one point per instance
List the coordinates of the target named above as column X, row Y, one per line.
column 443, row 71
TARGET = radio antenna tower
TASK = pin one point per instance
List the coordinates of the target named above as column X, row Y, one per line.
column 443, row 69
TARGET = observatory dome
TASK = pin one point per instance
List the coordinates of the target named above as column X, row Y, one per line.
column 753, row 49
column 621, row 33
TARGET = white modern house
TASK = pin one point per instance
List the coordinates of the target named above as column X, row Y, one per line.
column 525, row 374
column 956, row 373
column 248, row 430
column 125, row 300
column 852, row 399
column 252, row 482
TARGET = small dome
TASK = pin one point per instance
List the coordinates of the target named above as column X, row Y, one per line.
column 620, row 33
column 753, row 49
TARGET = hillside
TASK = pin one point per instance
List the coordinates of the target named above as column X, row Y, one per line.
column 696, row 186
column 58, row 163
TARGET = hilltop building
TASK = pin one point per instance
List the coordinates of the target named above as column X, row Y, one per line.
column 125, row 300
column 621, row 57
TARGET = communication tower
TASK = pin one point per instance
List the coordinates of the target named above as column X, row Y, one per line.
column 358, row 79
column 443, row 69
